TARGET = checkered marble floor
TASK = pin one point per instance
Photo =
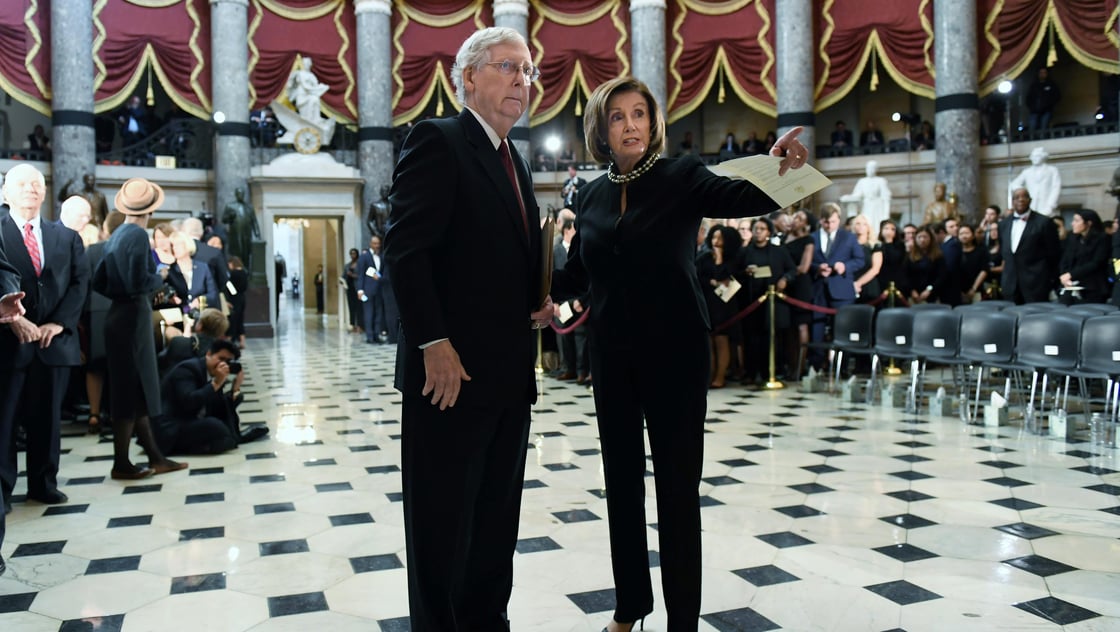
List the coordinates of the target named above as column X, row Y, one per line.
column 817, row 515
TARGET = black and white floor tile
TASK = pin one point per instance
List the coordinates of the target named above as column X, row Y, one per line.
column 817, row 516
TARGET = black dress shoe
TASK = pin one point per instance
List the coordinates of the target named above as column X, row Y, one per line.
column 252, row 434
column 7, row 507
column 50, row 497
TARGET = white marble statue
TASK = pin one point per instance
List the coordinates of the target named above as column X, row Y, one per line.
column 873, row 194
column 1041, row 180
column 306, row 126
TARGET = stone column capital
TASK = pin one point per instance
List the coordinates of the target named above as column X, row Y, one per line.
column 636, row 5
column 383, row 7
column 244, row 3
column 511, row 7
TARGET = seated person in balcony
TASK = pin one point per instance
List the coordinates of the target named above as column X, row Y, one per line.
column 133, row 121
column 924, row 138
column 841, row 139
column 871, row 136
column 38, row 140
column 199, row 416
column 729, row 147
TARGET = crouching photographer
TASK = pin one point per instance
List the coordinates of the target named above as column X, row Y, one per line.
column 199, row 415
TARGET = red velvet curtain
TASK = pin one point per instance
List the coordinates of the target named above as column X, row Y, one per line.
column 25, row 59
column 280, row 31
column 897, row 37
column 720, row 46
column 1012, row 31
column 426, row 37
column 579, row 44
column 174, row 39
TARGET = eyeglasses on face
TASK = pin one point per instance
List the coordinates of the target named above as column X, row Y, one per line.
column 507, row 67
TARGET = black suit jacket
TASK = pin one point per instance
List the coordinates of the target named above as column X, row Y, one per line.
column 950, row 290
column 1033, row 269
column 9, row 276
column 56, row 296
column 464, row 266
column 640, row 266
column 1089, row 264
column 186, row 391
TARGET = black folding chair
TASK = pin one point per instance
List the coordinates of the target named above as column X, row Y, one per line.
column 1047, row 341
column 894, row 328
column 987, row 342
column 937, row 339
column 852, row 332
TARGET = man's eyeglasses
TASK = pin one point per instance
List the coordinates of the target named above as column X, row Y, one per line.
column 507, row 67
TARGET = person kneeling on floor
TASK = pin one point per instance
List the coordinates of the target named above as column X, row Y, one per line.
column 199, row 416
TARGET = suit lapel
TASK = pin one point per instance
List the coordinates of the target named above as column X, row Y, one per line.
column 16, row 251
column 492, row 164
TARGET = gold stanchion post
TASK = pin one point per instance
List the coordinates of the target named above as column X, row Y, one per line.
column 540, row 352
column 891, row 368
column 772, row 384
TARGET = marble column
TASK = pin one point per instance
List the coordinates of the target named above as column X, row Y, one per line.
column 795, row 69
column 957, row 105
column 72, row 137
column 647, row 50
column 514, row 14
column 229, row 72
column 375, row 104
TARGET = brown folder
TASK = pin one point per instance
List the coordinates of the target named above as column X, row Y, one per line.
column 547, row 238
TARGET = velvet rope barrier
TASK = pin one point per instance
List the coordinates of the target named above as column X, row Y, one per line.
column 809, row 306
column 741, row 315
column 570, row 328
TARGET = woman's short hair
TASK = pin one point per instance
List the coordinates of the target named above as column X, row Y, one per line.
column 595, row 117
column 212, row 322
column 475, row 52
column 164, row 228
column 182, row 240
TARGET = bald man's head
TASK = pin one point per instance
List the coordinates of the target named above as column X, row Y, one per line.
column 75, row 213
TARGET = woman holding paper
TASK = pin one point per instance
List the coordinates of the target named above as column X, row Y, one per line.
column 716, row 267
column 763, row 264
column 635, row 251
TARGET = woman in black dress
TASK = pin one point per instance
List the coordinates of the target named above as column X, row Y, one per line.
column 634, row 251
column 762, row 265
column 800, row 248
column 353, row 303
column 925, row 268
column 867, row 279
column 1085, row 260
column 715, row 268
column 127, row 275
column 239, row 279
column 974, row 265
column 894, row 258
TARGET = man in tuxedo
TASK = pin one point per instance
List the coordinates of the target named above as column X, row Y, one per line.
column 946, row 233
column 571, row 187
column 837, row 256
column 370, row 265
column 50, row 259
column 1030, row 248
column 464, row 248
column 213, row 257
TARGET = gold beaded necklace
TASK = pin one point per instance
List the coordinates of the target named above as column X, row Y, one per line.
column 619, row 178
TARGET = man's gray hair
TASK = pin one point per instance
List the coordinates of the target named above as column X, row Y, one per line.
column 475, row 52
column 192, row 226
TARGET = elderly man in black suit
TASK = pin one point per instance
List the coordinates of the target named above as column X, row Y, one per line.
column 1030, row 248
column 54, row 276
column 466, row 353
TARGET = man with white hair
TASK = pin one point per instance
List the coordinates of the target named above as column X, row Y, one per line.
column 466, row 355
column 205, row 253
column 39, row 347
column 75, row 213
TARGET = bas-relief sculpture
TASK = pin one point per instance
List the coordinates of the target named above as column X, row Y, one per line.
column 873, row 196
column 1041, row 180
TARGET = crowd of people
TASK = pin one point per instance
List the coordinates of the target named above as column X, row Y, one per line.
column 149, row 323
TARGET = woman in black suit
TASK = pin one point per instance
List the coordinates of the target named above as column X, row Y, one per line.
column 1085, row 260
column 925, row 268
column 635, row 252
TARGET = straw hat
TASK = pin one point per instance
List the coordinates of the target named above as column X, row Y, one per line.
column 138, row 197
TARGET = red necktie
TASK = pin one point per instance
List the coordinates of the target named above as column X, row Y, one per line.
column 507, row 162
column 32, row 246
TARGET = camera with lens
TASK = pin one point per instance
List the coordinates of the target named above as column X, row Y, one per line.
column 234, row 367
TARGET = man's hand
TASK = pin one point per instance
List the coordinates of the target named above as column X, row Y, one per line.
column 824, row 270
column 221, row 373
column 444, row 374
column 839, row 268
column 790, row 150
column 577, row 307
column 25, row 330
column 10, row 307
column 543, row 316
column 47, row 333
